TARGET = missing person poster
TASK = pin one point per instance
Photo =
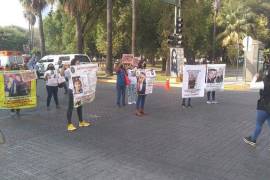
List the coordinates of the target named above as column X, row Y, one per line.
column 215, row 77
column 193, row 81
column 149, row 75
column 18, row 89
column 84, row 80
column 176, row 59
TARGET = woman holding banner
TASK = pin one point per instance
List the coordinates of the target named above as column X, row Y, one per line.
column 71, row 90
column 263, row 105
column 132, row 86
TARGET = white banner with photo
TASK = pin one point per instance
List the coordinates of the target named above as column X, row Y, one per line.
column 215, row 77
column 150, row 76
column 193, row 81
column 84, row 80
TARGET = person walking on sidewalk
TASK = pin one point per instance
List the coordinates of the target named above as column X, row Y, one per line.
column 132, row 86
column 120, row 84
column 51, row 78
column 82, row 123
column 263, row 105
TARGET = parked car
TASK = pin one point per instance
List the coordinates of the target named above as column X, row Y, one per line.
column 8, row 58
column 43, row 63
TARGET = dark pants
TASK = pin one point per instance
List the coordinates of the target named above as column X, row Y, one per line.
column 71, row 106
column 140, row 102
column 184, row 102
column 52, row 91
column 209, row 93
column 121, row 92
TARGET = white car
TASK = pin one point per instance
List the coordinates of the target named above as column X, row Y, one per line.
column 43, row 63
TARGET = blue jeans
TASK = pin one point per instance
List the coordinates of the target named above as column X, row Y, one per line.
column 140, row 102
column 209, row 93
column 262, row 116
column 184, row 102
column 52, row 92
column 121, row 92
column 131, row 93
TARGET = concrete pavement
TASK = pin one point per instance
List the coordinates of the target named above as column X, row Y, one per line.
column 201, row 143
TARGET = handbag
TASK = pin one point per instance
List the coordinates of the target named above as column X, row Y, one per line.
column 127, row 80
column 61, row 81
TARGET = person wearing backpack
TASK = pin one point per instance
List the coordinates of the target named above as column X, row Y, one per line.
column 263, row 105
column 121, row 84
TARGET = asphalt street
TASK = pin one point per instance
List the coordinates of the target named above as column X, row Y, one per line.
column 199, row 143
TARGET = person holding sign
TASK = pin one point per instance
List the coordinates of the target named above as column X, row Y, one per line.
column 120, row 84
column 51, row 77
column 75, row 87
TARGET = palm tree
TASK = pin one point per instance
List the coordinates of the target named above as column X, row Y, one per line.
column 133, row 46
column 37, row 6
column 31, row 18
column 109, row 67
column 83, row 12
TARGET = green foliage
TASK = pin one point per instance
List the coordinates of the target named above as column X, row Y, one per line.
column 12, row 38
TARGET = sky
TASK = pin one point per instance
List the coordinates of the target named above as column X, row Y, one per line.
column 11, row 13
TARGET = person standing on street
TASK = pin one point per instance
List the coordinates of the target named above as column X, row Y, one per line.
column 263, row 105
column 120, row 84
column 51, row 77
column 82, row 123
column 132, row 86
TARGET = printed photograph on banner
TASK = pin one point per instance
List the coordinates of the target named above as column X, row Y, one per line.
column 215, row 76
column 174, row 62
column 193, row 81
column 78, row 88
column 16, row 94
column 15, row 86
column 149, row 75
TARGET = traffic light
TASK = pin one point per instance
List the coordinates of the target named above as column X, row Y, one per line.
column 179, row 25
column 171, row 39
column 179, row 40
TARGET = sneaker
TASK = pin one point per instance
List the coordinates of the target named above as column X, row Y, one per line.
column 134, row 102
column 189, row 106
column 84, row 124
column 208, row 102
column 129, row 103
column 214, row 102
column 249, row 141
column 71, row 127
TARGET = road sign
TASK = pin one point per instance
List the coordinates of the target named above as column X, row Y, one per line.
column 173, row 2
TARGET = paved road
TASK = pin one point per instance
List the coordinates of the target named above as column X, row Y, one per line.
column 202, row 143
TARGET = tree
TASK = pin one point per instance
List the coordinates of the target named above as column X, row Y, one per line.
column 84, row 12
column 31, row 18
column 134, row 15
column 36, row 7
column 109, row 67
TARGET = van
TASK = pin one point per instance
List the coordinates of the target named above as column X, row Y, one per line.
column 7, row 58
column 43, row 63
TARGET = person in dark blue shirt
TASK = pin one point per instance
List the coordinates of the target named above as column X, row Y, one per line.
column 120, row 85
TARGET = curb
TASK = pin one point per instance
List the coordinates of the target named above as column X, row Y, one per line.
column 228, row 86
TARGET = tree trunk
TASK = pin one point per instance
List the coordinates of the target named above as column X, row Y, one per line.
column 163, row 68
column 168, row 66
column 41, row 34
column 79, row 34
column 133, row 46
column 109, row 64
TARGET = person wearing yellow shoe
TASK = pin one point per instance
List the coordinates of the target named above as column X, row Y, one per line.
column 82, row 123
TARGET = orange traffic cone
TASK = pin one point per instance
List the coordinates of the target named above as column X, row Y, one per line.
column 167, row 85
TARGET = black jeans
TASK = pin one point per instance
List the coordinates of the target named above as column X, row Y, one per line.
column 71, row 106
column 209, row 93
column 184, row 101
column 121, row 92
column 52, row 91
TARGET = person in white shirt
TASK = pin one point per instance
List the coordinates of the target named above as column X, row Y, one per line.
column 82, row 123
column 132, row 86
column 51, row 77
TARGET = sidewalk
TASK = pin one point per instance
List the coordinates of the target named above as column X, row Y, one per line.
column 230, row 83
